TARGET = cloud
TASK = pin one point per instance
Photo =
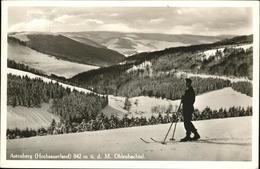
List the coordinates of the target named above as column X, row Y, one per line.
column 116, row 27
column 33, row 25
column 63, row 18
column 179, row 11
column 157, row 20
column 211, row 21
column 114, row 14
column 96, row 21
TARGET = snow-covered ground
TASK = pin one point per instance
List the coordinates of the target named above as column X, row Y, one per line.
column 34, row 118
column 21, row 36
column 223, row 98
column 155, row 45
column 212, row 52
column 109, row 110
column 221, row 140
column 33, row 76
column 146, row 65
column 140, row 45
column 48, row 64
column 232, row 79
column 117, row 102
column 78, row 37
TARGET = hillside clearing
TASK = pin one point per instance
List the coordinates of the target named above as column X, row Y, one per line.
column 47, row 63
column 32, row 118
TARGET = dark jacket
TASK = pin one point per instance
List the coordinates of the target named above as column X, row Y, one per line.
column 188, row 100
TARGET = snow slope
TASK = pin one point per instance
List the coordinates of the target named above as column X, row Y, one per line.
column 221, row 140
column 146, row 65
column 22, row 36
column 223, row 98
column 33, row 76
column 48, row 64
column 108, row 111
column 212, row 52
column 34, row 118
column 78, row 37
column 231, row 79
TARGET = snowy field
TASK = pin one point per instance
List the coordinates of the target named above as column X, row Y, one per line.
column 223, row 98
column 221, row 140
column 48, row 64
column 230, row 78
column 33, row 118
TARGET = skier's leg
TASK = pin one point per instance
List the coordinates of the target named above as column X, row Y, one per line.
column 191, row 127
column 194, row 131
column 187, row 127
column 188, row 131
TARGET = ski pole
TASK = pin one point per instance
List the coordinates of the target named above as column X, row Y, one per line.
column 175, row 124
column 174, row 129
column 170, row 126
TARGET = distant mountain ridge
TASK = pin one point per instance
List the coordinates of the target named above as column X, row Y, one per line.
column 245, row 39
column 66, row 48
column 133, row 43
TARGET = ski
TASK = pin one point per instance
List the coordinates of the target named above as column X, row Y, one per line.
column 171, row 141
column 144, row 140
column 156, row 140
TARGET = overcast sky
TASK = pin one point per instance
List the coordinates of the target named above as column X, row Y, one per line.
column 201, row 21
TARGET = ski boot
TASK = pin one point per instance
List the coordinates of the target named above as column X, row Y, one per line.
column 186, row 138
column 196, row 136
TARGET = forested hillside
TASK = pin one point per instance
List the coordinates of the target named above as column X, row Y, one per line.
column 155, row 73
column 139, row 83
column 13, row 64
column 228, row 62
column 69, row 105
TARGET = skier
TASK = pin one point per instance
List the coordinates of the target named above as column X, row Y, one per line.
column 188, row 100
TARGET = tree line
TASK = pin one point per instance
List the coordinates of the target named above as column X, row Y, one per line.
column 23, row 67
column 168, row 86
column 142, row 83
column 102, row 122
column 243, row 87
column 68, row 104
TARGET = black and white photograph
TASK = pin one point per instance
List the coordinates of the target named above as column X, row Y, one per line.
column 143, row 81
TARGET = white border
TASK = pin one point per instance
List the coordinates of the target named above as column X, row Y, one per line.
column 133, row 164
